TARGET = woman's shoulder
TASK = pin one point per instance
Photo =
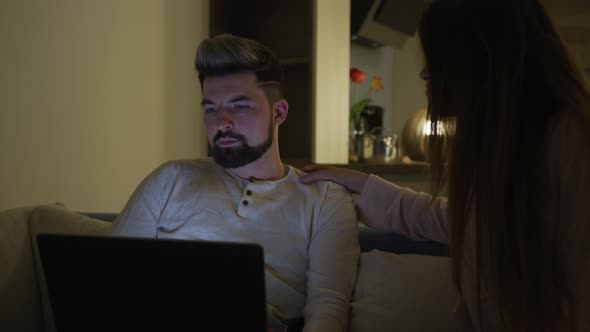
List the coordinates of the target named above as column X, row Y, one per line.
column 568, row 173
column 569, row 136
column 573, row 119
column 570, row 160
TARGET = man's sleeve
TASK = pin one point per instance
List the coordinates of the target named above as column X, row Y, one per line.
column 141, row 214
column 333, row 258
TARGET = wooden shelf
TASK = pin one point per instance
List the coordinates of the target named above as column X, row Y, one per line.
column 392, row 168
column 412, row 168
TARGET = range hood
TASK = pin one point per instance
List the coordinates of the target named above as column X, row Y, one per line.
column 375, row 23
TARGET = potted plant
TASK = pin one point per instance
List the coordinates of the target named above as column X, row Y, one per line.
column 358, row 124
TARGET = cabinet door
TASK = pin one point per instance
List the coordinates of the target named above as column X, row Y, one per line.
column 286, row 27
column 312, row 40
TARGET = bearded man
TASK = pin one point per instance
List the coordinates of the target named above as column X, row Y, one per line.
column 245, row 193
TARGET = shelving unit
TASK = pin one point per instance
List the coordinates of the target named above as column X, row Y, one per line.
column 286, row 27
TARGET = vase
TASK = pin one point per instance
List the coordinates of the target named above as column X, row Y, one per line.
column 358, row 139
column 414, row 140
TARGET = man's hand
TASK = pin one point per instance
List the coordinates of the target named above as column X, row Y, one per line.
column 353, row 180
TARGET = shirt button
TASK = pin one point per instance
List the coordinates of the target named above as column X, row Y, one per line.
column 248, row 192
column 245, row 203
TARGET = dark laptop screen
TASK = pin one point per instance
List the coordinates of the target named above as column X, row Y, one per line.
column 129, row 284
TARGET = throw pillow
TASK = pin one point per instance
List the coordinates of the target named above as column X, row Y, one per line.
column 60, row 220
column 402, row 293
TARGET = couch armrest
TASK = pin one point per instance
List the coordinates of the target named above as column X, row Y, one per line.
column 370, row 239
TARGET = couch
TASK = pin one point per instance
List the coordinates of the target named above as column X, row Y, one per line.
column 402, row 285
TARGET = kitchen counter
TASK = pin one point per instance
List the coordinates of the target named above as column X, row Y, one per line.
column 410, row 167
column 411, row 174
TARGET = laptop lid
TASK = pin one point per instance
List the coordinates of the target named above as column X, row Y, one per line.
column 131, row 284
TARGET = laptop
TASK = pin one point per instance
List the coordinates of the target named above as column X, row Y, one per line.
column 99, row 283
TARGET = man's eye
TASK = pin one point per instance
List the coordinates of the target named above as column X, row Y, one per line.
column 210, row 109
column 241, row 106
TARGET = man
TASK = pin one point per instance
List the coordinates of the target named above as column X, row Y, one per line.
column 309, row 233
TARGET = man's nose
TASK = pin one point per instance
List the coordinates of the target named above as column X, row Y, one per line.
column 224, row 119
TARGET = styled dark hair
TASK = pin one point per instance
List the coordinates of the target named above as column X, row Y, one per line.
column 229, row 54
column 501, row 79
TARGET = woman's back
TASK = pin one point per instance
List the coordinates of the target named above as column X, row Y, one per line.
column 517, row 159
column 567, row 206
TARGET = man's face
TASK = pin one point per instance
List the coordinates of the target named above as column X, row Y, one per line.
column 238, row 119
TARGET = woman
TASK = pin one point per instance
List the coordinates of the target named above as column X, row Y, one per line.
column 515, row 161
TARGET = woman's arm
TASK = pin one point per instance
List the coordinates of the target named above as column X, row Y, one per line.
column 386, row 206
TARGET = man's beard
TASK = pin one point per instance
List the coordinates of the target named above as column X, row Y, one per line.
column 243, row 154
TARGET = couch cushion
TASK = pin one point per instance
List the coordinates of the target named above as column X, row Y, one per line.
column 20, row 309
column 402, row 293
column 58, row 220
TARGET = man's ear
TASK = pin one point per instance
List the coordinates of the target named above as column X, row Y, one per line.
column 281, row 109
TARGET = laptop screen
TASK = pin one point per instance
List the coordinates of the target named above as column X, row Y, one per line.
column 131, row 284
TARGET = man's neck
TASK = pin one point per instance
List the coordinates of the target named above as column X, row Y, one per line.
column 267, row 168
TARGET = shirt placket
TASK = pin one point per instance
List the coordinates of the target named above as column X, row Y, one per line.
column 247, row 202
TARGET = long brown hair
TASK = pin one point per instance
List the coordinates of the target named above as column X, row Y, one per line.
column 499, row 73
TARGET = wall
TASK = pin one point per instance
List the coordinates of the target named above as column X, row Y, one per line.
column 331, row 60
column 374, row 62
column 409, row 91
column 95, row 94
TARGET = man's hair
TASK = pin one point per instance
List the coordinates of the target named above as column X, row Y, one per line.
column 228, row 54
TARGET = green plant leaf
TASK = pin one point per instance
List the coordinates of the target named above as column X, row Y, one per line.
column 358, row 107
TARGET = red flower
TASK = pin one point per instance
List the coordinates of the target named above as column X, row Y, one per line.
column 357, row 76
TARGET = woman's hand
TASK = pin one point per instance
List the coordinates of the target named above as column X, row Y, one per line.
column 353, row 180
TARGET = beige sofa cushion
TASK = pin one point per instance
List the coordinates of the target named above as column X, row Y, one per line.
column 20, row 309
column 402, row 293
column 58, row 220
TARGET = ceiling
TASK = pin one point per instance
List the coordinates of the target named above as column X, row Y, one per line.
column 572, row 19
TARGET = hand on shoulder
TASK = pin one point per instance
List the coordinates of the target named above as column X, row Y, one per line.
column 353, row 180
